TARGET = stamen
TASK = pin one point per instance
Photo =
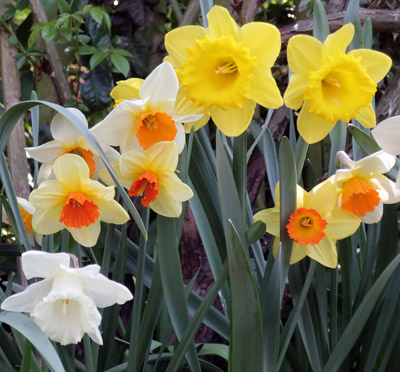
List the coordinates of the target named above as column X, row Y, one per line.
column 227, row 68
column 147, row 182
column 331, row 81
column 65, row 303
column 306, row 222
column 150, row 122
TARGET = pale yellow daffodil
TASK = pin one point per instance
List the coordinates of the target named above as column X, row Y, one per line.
column 148, row 119
column 64, row 304
column 315, row 226
column 75, row 202
column 151, row 174
column 224, row 69
column 363, row 189
column 329, row 84
column 69, row 140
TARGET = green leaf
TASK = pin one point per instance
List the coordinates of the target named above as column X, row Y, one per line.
column 49, row 32
column 33, row 36
column 320, row 21
column 86, row 50
column 367, row 143
column 121, row 52
column 121, row 64
column 97, row 14
column 64, row 7
column 34, row 334
column 97, row 58
column 255, row 232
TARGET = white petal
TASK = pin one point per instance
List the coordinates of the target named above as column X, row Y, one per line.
column 86, row 235
column 45, row 173
column 25, row 302
column 162, row 84
column 64, row 131
column 38, row 264
column 374, row 216
column 129, row 142
column 388, row 192
column 47, row 152
column 26, row 205
column 378, row 162
column 180, row 137
column 387, row 135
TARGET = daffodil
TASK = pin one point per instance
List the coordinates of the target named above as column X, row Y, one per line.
column 151, row 175
column 27, row 211
column 64, row 304
column 75, row 202
column 126, row 89
column 150, row 118
column 329, row 84
column 363, row 189
column 224, row 69
column 69, row 140
column 387, row 135
column 315, row 226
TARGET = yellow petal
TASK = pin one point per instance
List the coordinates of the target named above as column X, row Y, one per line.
column 322, row 198
column 341, row 223
column 162, row 156
column 339, row 40
column 311, row 127
column 126, row 89
column 112, row 212
column 197, row 124
column 46, row 221
column 174, row 187
column 366, row 116
column 271, row 219
column 256, row 35
column 220, row 23
column 95, row 190
column 179, row 40
column 324, row 252
column 70, row 169
column 304, row 53
column 263, row 89
column 298, row 253
column 376, row 63
column 234, row 121
column 86, row 235
column 48, row 194
column 132, row 164
column 294, row 94
column 184, row 106
column 166, row 206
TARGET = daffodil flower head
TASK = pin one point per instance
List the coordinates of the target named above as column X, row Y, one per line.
column 148, row 119
column 363, row 189
column 64, row 304
column 75, row 202
column 27, row 211
column 224, row 69
column 151, row 175
column 68, row 140
column 126, row 89
column 315, row 225
column 329, row 84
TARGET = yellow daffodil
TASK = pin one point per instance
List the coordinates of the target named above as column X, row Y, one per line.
column 75, row 202
column 151, row 175
column 148, row 119
column 64, row 304
column 387, row 135
column 27, row 211
column 126, row 89
column 315, row 226
column 329, row 84
column 69, row 140
column 363, row 189
column 224, row 70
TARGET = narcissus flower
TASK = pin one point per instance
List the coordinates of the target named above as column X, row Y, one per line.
column 149, row 119
column 27, row 211
column 151, row 175
column 224, row 70
column 126, row 89
column 75, row 202
column 363, row 189
column 315, row 226
column 68, row 140
column 330, row 84
column 64, row 304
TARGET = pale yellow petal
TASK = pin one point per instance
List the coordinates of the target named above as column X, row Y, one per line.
column 294, row 94
column 48, row 194
column 263, row 40
column 234, row 121
column 70, row 169
column 271, row 219
column 263, row 89
column 304, row 54
column 86, row 235
column 105, row 176
column 95, row 190
column 197, row 124
column 162, row 156
column 132, row 164
column 376, row 63
column 298, row 253
column 174, row 187
column 322, row 198
column 46, row 221
column 112, row 212
column 387, row 135
column 220, row 23
column 325, row 252
column 179, row 40
column 184, row 106
column 166, row 206
column 311, row 127
column 126, row 89
column 366, row 116
column 341, row 223
column 339, row 40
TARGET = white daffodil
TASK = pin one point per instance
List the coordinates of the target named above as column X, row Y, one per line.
column 64, row 304
column 27, row 212
column 149, row 119
column 75, row 202
column 387, row 135
column 363, row 188
column 69, row 140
